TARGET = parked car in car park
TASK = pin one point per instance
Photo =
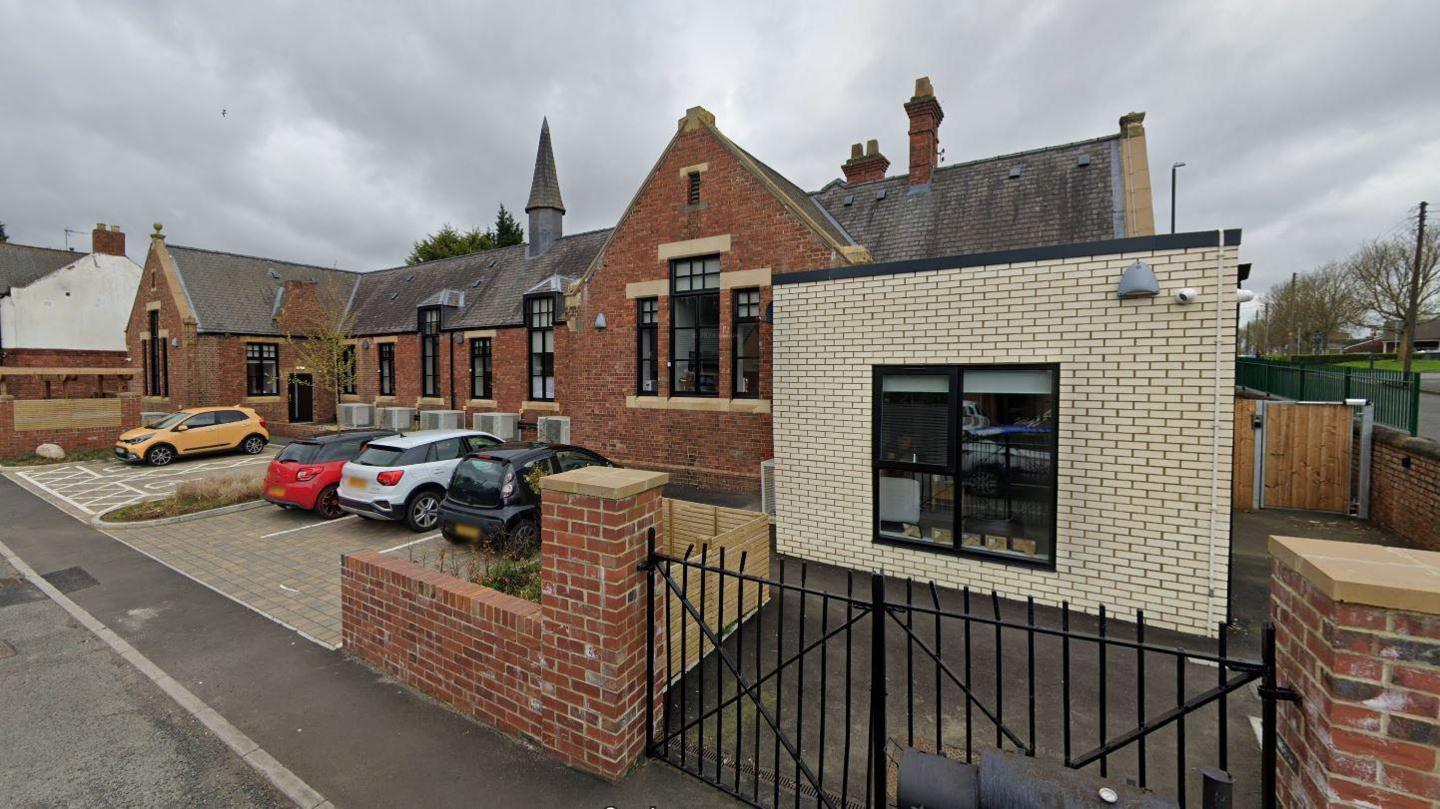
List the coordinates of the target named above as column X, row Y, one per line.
column 194, row 431
column 494, row 491
column 306, row 473
column 404, row 477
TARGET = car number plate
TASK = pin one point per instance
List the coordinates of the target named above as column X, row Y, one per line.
column 355, row 483
column 276, row 491
column 466, row 531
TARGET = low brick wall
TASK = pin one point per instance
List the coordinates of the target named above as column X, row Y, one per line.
column 1357, row 635
column 1405, row 486
column 76, row 434
column 473, row 648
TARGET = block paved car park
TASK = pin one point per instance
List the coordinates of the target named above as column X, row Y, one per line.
column 283, row 564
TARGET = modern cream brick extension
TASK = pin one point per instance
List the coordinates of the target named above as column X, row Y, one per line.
column 1138, row 381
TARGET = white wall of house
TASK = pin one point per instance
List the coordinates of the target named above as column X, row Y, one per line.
column 1135, row 422
column 81, row 306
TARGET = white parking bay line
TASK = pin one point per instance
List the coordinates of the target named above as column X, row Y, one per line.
column 408, row 544
column 311, row 525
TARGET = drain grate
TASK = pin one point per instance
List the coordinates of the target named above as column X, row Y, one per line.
column 6, row 650
column 70, row 579
column 15, row 590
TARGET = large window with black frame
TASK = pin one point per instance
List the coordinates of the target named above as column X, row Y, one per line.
column 747, row 343
column 964, row 459
column 647, row 346
column 480, row 368
column 540, row 323
column 695, row 326
column 262, row 369
column 386, row 364
column 430, row 351
column 347, row 370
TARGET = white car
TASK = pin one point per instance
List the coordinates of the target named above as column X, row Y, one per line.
column 404, row 477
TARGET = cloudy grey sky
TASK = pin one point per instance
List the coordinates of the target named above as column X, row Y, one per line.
column 355, row 128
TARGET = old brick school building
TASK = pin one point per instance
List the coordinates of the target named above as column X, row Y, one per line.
column 653, row 336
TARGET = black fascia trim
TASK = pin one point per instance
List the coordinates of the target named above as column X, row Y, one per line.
column 1136, row 244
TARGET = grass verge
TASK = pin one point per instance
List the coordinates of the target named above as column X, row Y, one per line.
column 1419, row 366
column 193, row 496
column 72, row 457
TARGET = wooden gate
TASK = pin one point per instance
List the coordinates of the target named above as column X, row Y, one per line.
column 1299, row 454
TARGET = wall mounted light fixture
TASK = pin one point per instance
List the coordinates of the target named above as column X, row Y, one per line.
column 600, row 321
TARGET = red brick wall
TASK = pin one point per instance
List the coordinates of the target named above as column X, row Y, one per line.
column 18, row 444
column 568, row 673
column 1405, row 486
column 59, row 387
column 473, row 648
column 597, row 367
column 182, row 363
column 1367, row 730
column 63, row 358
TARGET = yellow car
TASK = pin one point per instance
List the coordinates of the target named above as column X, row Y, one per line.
column 194, row 431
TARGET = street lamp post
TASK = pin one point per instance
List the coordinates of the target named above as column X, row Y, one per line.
column 1173, row 168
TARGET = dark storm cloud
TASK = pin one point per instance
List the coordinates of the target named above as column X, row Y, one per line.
column 352, row 129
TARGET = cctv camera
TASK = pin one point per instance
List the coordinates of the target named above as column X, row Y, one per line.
column 1186, row 295
column 1244, row 295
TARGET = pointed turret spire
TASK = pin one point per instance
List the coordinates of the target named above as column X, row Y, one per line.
column 545, row 207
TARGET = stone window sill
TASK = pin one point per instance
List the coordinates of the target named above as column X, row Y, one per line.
column 698, row 404
column 481, row 403
column 551, row 407
column 263, row 399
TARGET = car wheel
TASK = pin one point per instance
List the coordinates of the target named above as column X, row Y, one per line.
column 254, row 445
column 523, row 539
column 160, row 455
column 327, row 504
column 424, row 511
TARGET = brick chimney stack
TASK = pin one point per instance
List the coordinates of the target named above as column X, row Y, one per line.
column 925, row 117
column 107, row 240
column 865, row 165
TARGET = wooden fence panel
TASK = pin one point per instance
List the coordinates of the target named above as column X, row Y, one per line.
column 1243, row 485
column 1307, row 456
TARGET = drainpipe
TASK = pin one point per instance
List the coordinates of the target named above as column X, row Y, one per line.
column 1215, row 423
column 450, row 372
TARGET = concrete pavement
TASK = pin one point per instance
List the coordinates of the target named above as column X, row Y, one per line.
column 358, row 738
column 82, row 727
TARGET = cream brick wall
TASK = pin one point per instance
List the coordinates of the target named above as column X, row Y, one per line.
column 1137, row 386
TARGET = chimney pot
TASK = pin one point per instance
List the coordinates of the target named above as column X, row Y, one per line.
column 865, row 164
column 925, row 117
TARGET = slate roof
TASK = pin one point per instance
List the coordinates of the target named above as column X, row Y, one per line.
column 236, row 294
column 21, row 264
column 545, row 185
column 386, row 301
column 978, row 206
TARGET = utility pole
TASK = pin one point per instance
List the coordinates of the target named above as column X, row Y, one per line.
column 1173, row 168
column 1294, row 314
column 1407, row 337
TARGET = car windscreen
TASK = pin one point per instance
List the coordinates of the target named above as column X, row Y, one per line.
column 299, row 452
column 380, row 455
column 477, row 482
column 170, row 421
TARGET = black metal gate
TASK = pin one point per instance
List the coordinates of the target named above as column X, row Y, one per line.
column 804, row 689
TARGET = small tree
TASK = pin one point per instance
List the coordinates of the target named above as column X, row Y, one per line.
column 448, row 242
column 319, row 327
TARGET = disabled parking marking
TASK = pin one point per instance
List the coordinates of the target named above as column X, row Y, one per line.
column 97, row 488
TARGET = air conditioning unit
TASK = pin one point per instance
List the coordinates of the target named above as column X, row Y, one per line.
column 767, row 487
column 505, row 426
column 442, row 419
column 553, row 429
column 395, row 418
column 356, row 414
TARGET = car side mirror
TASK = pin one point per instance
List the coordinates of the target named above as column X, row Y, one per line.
column 180, row 428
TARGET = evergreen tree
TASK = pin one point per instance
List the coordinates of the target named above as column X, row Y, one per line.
column 5, row 237
column 448, row 241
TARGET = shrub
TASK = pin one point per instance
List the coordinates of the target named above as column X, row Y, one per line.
column 201, row 494
column 516, row 577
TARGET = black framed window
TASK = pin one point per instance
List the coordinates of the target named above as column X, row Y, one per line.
column 540, row 323
column 430, row 351
column 347, row 369
column 156, row 360
column 386, row 364
column 480, row 368
column 746, row 332
column 965, row 459
column 647, row 346
column 262, row 369
column 695, row 326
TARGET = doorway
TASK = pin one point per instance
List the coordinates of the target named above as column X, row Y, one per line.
column 302, row 398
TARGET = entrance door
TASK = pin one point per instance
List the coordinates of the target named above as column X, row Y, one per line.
column 302, row 401
column 1305, row 456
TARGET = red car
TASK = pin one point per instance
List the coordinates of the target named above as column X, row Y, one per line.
column 306, row 473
